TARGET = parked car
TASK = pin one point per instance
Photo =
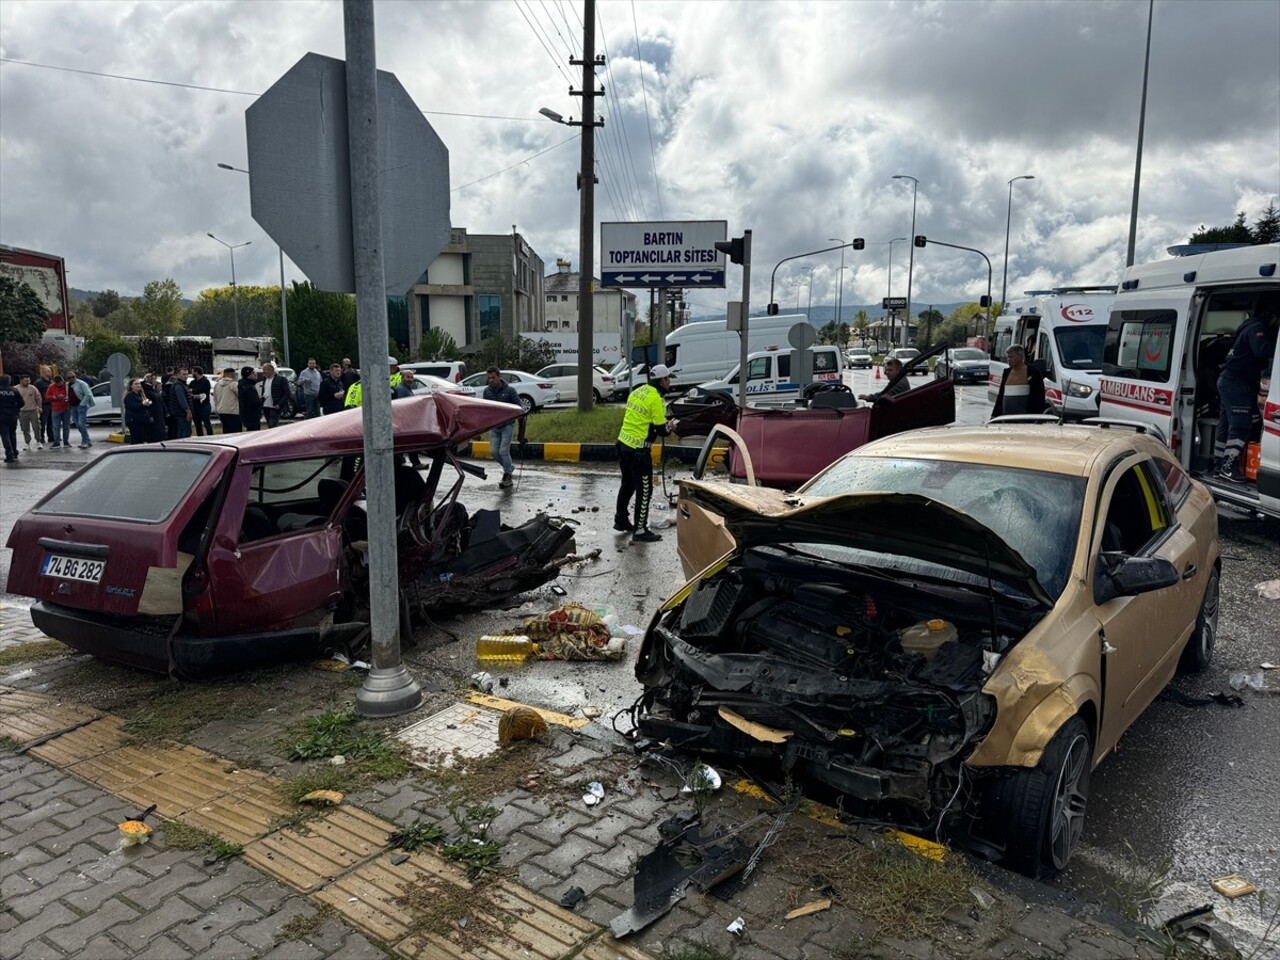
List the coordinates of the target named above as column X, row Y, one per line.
column 906, row 355
column 564, row 376
column 103, row 410
column 946, row 629
column 534, row 393
column 858, row 359
column 963, row 365
column 211, row 555
column 453, row 370
column 425, row 383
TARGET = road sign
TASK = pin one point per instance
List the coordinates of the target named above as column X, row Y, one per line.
column 802, row 337
column 299, row 176
column 893, row 303
column 663, row 253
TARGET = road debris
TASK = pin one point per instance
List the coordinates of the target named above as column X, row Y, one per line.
column 1188, row 927
column 817, row 906
column 738, row 927
column 594, row 794
column 591, row 712
column 573, row 632
column 1241, row 680
column 482, row 681
column 521, row 723
column 1268, row 589
column 398, row 859
column 1233, row 885
column 572, row 897
column 323, row 798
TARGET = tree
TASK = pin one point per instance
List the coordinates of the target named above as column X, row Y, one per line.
column 1236, row 232
column 20, row 358
column 159, row 310
column 106, row 303
column 321, row 324
column 438, row 345
column 213, row 313
column 23, row 317
column 122, row 322
column 930, row 318
column 514, row 353
column 100, row 346
column 1266, row 229
column 829, row 332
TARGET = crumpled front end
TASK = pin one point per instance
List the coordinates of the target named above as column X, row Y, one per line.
column 804, row 674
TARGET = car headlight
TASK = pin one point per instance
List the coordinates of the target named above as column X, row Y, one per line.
column 1079, row 390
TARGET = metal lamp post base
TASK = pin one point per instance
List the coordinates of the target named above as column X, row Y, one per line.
column 388, row 692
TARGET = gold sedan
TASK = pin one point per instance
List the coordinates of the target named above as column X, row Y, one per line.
column 946, row 629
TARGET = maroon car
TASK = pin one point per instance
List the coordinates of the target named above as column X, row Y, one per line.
column 206, row 556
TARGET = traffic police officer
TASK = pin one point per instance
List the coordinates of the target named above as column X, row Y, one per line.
column 644, row 421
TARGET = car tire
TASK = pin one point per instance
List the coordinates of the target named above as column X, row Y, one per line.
column 1198, row 653
column 1041, row 809
column 596, row 394
column 526, row 403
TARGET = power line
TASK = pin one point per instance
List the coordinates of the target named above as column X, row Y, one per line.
column 625, row 144
column 545, row 43
column 516, row 164
column 551, row 18
column 648, row 123
column 238, row 93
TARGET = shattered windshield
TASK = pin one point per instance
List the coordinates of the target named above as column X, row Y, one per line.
column 1036, row 513
column 1081, row 347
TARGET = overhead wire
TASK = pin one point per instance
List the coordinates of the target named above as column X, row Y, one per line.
column 657, row 189
column 495, row 173
column 554, row 26
column 620, row 129
column 545, row 43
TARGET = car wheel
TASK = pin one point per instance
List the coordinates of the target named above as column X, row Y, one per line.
column 1199, row 650
column 526, row 403
column 1042, row 808
column 596, row 394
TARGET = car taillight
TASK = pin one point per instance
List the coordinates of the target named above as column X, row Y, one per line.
column 457, row 378
column 546, row 386
column 606, row 379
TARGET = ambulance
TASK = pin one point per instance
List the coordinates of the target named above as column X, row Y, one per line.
column 1063, row 330
column 1170, row 328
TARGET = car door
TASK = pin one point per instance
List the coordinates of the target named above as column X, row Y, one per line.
column 1049, row 369
column 931, row 405
column 1269, row 459
column 1141, row 637
column 760, row 380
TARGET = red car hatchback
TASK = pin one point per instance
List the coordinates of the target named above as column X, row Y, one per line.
column 211, row 555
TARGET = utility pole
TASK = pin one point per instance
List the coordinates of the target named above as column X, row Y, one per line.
column 587, row 191
column 1142, row 126
column 660, row 326
column 388, row 688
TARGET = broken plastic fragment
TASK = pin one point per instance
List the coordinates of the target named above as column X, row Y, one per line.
column 323, row 798
column 398, row 859
column 702, row 778
column 989, row 661
column 757, row 731
column 338, row 760
column 737, row 927
column 594, row 794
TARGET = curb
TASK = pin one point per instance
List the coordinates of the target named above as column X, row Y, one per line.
column 576, row 452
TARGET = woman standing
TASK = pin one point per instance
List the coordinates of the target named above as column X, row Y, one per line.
column 1021, row 386
column 152, row 391
column 59, row 412
column 137, row 412
column 250, row 401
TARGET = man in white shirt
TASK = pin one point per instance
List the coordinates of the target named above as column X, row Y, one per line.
column 309, row 382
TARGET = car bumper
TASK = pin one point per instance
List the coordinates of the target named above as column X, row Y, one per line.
column 969, row 376
column 144, row 643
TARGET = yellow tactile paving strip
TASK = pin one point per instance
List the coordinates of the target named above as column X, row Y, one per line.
column 341, row 859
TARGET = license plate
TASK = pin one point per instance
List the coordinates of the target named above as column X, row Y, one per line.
column 73, row 568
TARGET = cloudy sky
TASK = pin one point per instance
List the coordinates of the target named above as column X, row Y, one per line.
column 784, row 116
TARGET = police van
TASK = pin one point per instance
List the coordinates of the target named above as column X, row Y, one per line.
column 1170, row 328
column 769, row 375
column 1063, row 330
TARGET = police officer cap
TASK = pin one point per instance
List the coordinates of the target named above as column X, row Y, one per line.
column 658, row 371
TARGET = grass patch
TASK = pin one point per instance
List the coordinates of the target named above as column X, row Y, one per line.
column 177, row 709
column 444, row 909
column 33, row 651
column 419, row 835
column 1136, row 886
column 475, row 779
column 8, row 744
column 301, row 927
column 183, row 836
column 903, row 894
column 601, row 425
column 369, row 756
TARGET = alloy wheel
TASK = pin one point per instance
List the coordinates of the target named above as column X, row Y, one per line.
column 1070, row 795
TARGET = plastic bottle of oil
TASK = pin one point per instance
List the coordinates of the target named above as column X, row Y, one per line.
column 505, row 647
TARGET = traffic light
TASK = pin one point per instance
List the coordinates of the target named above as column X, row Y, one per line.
column 734, row 248
column 984, row 301
column 859, row 243
column 772, row 310
column 920, row 240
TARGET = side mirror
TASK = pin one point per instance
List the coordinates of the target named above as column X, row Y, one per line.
column 1133, row 576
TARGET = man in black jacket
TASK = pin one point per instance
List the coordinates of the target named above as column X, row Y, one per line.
column 332, row 391
column 10, row 404
column 1250, row 356
column 250, row 401
column 277, row 398
column 201, row 406
column 179, row 403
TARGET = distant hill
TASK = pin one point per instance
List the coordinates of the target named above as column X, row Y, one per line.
column 78, row 296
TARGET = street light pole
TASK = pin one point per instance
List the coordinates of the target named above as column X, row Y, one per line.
column 284, row 305
column 889, row 289
column 808, row 308
column 1142, row 126
column 235, row 287
column 840, row 291
column 1004, row 281
column 911, row 266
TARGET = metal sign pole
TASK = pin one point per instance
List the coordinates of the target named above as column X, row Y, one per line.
column 388, row 689
column 746, row 319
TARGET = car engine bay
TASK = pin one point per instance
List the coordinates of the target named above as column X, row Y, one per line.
column 817, row 669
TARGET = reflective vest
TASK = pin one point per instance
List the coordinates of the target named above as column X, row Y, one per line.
column 645, row 410
column 355, row 395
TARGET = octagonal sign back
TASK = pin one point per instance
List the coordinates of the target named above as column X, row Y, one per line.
column 299, row 176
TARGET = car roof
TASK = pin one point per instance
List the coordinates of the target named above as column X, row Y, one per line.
column 420, row 422
column 1053, row 448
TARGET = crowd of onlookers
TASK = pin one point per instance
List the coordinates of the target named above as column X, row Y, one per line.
column 177, row 404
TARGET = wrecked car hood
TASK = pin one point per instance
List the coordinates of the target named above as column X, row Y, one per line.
column 899, row 523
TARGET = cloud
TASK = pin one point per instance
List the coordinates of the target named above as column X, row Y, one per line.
column 785, row 117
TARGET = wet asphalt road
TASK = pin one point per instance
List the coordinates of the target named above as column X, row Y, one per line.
column 1191, row 788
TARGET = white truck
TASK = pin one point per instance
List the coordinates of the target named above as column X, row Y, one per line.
column 708, row 350
column 1169, row 330
column 1063, row 330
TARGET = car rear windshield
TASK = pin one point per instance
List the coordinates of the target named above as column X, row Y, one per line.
column 144, row 487
column 1036, row 513
column 968, row 353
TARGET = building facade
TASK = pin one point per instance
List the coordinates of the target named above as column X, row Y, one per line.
column 609, row 307
column 479, row 286
column 46, row 274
